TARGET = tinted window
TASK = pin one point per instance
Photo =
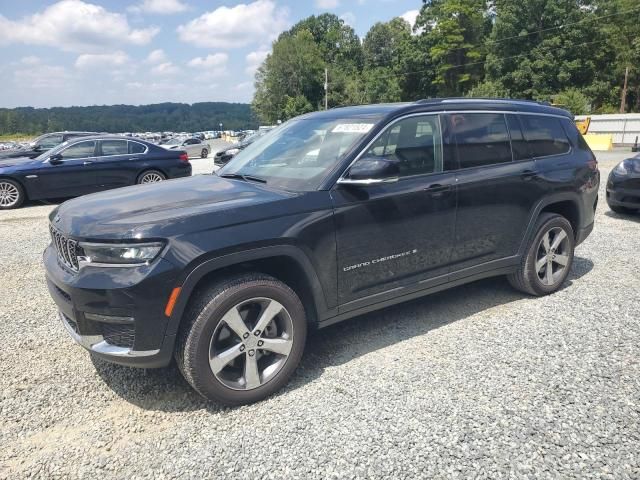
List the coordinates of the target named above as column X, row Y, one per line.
column 482, row 138
column 415, row 143
column 49, row 141
column 544, row 135
column 114, row 147
column 79, row 150
column 518, row 143
column 135, row 147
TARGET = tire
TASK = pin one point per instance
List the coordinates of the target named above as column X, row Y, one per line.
column 206, row 336
column 11, row 194
column 151, row 176
column 204, row 153
column 538, row 281
column 620, row 210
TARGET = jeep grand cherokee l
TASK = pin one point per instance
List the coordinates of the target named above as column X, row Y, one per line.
column 332, row 215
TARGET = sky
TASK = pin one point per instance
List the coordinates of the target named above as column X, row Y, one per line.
column 104, row 52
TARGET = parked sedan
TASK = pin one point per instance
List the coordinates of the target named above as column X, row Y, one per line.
column 42, row 144
column 87, row 165
column 194, row 147
column 623, row 186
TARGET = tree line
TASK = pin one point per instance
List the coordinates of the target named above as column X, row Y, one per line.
column 176, row 117
column 581, row 54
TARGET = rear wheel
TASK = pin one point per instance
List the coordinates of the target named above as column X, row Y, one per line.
column 11, row 194
column 151, row 176
column 548, row 258
column 204, row 153
column 242, row 339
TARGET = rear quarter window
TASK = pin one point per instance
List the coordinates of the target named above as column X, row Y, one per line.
column 135, row 147
column 544, row 135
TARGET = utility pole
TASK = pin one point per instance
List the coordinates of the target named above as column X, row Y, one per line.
column 623, row 98
column 326, row 89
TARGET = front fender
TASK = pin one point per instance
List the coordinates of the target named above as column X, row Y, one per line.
column 199, row 272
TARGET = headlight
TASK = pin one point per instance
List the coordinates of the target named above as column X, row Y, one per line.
column 119, row 254
column 233, row 151
column 622, row 168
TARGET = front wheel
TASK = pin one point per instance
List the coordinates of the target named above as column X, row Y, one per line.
column 242, row 339
column 11, row 194
column 204, row 153
column 548, row 257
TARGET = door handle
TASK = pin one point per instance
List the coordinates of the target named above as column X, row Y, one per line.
column 437, row 190
column 528, row 175
column 87, row 163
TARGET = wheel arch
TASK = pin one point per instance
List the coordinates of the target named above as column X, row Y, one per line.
column 565, row 204
column 22, row 184
column 285, row 263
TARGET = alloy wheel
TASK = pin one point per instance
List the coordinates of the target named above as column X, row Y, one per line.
column 9, row 194
column 151, row 177
column 553, row 256
column 251, row 343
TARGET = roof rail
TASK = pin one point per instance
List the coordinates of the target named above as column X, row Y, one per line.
column 466, row 99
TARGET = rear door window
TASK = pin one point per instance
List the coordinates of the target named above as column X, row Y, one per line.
column 481, row 138
column 544, row 135
column 114, row 147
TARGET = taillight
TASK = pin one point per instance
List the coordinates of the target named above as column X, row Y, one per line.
column 593, row 164
column 184, row 157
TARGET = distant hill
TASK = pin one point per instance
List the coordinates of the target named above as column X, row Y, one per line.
column 177, row 117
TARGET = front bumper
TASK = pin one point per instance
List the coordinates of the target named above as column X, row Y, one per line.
column 115, row 313
column 624, row 191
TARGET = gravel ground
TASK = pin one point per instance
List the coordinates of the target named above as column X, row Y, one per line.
column 479, row 381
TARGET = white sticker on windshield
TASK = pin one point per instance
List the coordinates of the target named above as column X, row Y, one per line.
column 352, row 128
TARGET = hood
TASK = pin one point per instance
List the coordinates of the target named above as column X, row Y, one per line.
column 18, row 152
column 16, row 161
column 164, row 209
column 171, row 147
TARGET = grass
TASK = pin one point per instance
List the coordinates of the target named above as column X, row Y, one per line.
column 15, row 137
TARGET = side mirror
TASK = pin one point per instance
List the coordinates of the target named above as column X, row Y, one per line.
column 55, row 159
column 371, row 171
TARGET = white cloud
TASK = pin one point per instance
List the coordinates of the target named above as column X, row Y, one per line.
column 217, row 60
column 166, row 68
column 349, row 18
column 157, row 56
column 237, row 26
column 97, row 60
column 254, row 60
column 410, row 16
column 76, row 26
column 160, row 7
column 30, row 60
column 51, row 77
column 327, row 4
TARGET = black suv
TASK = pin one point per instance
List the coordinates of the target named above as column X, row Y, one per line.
column 333, row 214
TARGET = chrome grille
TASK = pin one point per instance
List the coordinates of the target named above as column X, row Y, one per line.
column 66, row 248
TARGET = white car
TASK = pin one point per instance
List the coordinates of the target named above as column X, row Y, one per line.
column 194, row 147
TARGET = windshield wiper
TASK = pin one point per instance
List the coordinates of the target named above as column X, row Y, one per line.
column 244, row 177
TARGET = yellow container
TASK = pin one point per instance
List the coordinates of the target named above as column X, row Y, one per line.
column 601, row 142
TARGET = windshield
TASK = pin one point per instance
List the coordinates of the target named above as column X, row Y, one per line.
column 299, row 154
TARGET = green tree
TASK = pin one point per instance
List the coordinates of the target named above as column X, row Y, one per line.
column 536, row 48
column 573, row 100
column 454, row 33
column 294, row 68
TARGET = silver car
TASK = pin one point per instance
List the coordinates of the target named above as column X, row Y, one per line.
column 194, row 147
